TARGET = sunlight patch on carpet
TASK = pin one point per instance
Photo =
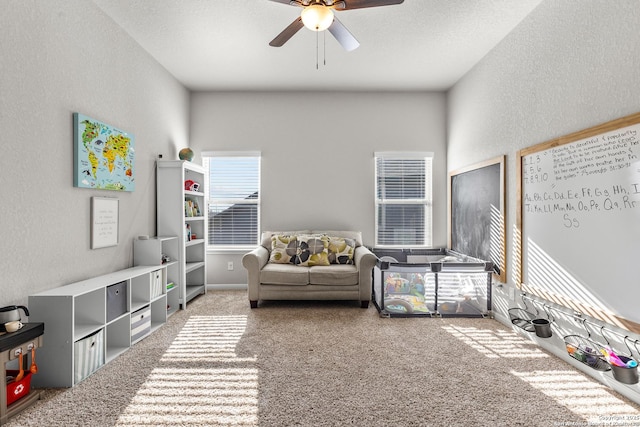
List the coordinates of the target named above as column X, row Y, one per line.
column 496, row 343
column 590, row 401
column 199, row 380
column 208, row 339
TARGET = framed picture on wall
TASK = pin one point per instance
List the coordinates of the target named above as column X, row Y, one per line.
column 476, row 213
column 104, row 222
column 103, row 156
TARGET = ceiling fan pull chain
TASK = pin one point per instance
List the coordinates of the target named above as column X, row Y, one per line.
column 317, row 50
column 324, row 47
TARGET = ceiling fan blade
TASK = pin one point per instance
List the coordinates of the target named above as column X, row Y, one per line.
column 344, row 37
column 287, row 33
column 290, row 2
column 361, row 4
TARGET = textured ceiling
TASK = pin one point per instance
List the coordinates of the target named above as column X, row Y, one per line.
column 224, row 44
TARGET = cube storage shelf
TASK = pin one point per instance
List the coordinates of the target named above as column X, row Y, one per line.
column 180, row 212
column 89, row 323
column 162, row 251
column 431, row 283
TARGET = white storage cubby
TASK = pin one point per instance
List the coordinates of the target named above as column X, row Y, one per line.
column 75, row 312
column 181, row 212
column 162, row 251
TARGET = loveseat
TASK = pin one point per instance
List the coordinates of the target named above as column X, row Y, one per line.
column 310, row 265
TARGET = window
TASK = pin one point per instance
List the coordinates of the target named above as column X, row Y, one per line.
column 234, row 199
column 403, row 199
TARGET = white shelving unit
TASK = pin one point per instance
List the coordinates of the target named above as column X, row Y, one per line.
column 88, row 323
column 174, row 213
column 150, row 252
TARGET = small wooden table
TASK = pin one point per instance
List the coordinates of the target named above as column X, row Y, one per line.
column 11, row 345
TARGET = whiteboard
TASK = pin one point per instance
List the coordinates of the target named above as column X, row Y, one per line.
column 580, row 219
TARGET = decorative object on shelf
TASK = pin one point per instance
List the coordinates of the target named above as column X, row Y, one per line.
column 104, row 222
column 186, row 154
column 191, row 185
column 103, row 156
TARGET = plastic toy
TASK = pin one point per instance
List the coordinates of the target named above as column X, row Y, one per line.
column 613, row 358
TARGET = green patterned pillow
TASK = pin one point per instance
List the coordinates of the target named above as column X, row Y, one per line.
column 341, row 249
column 282, row 247
column 311, row 250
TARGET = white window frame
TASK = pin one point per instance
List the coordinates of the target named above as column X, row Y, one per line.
column 426, row 201
column 234, row 154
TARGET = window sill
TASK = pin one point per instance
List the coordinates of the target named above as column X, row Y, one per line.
column 231, row 250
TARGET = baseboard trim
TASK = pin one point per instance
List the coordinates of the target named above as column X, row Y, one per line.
column 227, row 286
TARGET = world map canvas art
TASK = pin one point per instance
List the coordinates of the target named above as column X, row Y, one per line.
column 103, row 156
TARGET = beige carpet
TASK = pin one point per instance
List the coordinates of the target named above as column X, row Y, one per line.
column 220, row 363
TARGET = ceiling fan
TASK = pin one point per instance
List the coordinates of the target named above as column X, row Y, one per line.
column 317, row 15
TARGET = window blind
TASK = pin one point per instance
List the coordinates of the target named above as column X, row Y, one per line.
column 403, row 199
column 234, row 199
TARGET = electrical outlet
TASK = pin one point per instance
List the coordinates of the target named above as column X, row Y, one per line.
column 230, row 265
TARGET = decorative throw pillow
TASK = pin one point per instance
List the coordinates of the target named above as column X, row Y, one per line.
column 311, row 250
column 281, row 247
column 341, row 249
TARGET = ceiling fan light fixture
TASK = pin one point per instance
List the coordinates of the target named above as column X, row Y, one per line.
column 317, row 17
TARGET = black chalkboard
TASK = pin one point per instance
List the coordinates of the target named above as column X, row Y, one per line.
column 476, row 212
column 579, row 220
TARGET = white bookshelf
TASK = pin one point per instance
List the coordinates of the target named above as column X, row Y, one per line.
column 173, row 217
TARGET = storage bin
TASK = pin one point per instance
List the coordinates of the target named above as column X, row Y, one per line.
column 116, row 300
column 140, row 323
column 18, row 389
column 431, row 282
column 625, row 374
column 88, row 355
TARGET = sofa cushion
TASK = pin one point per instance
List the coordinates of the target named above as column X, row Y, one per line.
column 311, row 250
column 282, row 247
column 341, row 249
column 284, row 274
column 355, row 235
column 265, row 238
column 333, row 274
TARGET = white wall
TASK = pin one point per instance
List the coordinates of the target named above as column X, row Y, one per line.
column 60, row 57
column 317, row 154
column 568, row 66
